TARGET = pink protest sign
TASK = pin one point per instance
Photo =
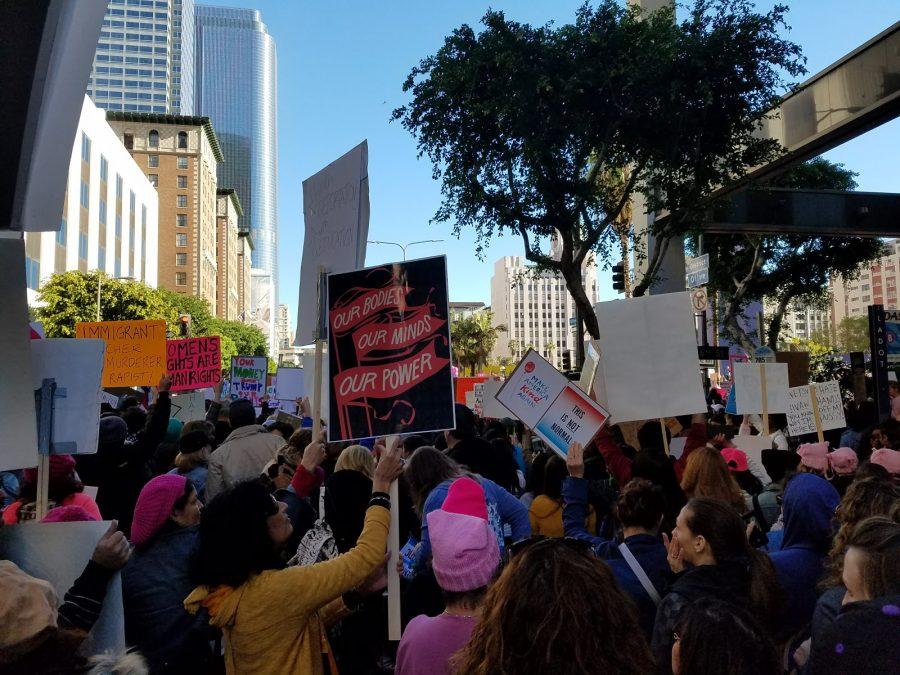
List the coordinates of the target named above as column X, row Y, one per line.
column 194, row 363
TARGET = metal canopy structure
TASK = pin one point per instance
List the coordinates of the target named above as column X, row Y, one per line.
column 812, row 212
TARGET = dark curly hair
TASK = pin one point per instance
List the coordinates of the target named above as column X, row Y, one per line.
column 641, row 504
column 555, row 610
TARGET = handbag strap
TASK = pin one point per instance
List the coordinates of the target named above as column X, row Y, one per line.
column 639, row 573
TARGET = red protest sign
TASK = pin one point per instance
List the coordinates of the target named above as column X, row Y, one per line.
column 194, row 363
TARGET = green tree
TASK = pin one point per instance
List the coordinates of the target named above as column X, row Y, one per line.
column 69, row 297
column 473, row 338
column 853, row 334
column 785, row 267
column 528, row 128
column 197, row 307
column 248, row 340
column 825, row 362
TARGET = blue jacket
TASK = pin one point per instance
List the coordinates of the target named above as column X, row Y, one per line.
column 197, row 476
column 807, row 508
column 154, row 585
column 503, row 509
column 649, row 551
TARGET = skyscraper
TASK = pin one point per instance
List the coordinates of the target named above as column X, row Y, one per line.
column 236, row 89
column 145, row 57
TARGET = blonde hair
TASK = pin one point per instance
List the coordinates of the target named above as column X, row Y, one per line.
column 356, row 458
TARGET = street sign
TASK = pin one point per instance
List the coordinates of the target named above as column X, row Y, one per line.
column 697, row 270
column 699, row 299
column 764, row 355
column 710, row 353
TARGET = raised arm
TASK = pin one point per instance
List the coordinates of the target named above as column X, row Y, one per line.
column 618, row 464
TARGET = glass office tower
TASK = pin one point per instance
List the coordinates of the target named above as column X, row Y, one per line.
column 236, row 89
column 145, row 57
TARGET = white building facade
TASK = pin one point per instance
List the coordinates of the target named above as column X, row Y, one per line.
column 801, row 321
column 110, row 213
column 538, row 312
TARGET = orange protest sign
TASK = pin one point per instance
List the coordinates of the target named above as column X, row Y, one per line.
column 135, row 351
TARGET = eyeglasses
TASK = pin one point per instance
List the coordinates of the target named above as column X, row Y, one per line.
column 541, row 541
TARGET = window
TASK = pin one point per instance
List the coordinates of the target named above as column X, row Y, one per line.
column 118, row 224
column 180, row 259
column 182, row 163
column 181, row 220
column 61, row 233
column 85, row 194
column 182, row 140
column 104, row 168
column 32, row 272
column 182, row 201
column 154, row 179
column 153, row 138
column 128, row 140
column 181, row 239
column 118, row 268
column 181, row 278
column 102, row 211
column 82, row 245
column 85, row 148
column 182, row 181
column 153, row 161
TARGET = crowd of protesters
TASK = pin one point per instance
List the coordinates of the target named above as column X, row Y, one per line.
column 249, row 545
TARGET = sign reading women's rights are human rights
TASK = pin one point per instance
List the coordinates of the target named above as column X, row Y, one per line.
column 389, row 350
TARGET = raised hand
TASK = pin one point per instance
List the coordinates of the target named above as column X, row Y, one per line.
column 575, row 460
column 113, row 549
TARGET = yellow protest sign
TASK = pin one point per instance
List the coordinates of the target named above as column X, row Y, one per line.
column 135, row 351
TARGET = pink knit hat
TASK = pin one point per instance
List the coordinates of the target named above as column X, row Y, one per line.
column 154, row 506
column 814, row 455
column 735, row 459
column 889, row 459
column 843, row 461
column 465, row 552
column 67, row 514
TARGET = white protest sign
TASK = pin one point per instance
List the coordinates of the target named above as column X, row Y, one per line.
column 589, row 368
column 822, row 400
column 188, row 407
column 309, row 377
column 753, row 446
column 336, row 218
column 748, row 383
column 648, row 358
column 493, row 409
column 470, row 399
column 544, row 399
column 290, row 384
column 58, row 553
column 18, row 449
column 77, row 367
column 478, row 399
column 110, row 399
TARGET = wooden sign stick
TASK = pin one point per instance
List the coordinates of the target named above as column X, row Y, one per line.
column 393, row 577
column 317, row 372
column 814, row 401
column 662, row 428
column 765, row 398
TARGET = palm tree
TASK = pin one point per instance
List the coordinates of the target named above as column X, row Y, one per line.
column 549, row 348
column 473, row 338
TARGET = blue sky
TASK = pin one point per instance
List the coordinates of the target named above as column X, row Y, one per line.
column 341, row 65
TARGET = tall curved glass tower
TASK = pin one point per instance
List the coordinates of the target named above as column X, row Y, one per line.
column 235, row 86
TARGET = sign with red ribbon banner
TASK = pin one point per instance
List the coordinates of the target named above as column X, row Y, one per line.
column 389, row 350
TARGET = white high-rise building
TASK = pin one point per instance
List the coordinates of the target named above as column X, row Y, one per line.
column 145, row 57
column 110, row 213
column 539, row 312
column 801, row 321
column 283, row 328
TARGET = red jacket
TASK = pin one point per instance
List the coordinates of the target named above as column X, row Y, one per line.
column 620, row 466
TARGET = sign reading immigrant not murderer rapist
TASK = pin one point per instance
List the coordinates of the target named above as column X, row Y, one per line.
column 544, row 399
column 135, row 351
column 389, row 350
column 194, row 363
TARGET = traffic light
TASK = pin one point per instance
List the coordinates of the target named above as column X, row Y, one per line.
column 184, row 325
column 618, row 277
column 566, row 360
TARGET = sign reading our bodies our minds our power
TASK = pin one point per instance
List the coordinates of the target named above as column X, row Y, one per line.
column 389, row 350
column 545, row 399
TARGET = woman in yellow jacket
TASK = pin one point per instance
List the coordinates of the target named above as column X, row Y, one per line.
column 274, row 618
column 546, row 511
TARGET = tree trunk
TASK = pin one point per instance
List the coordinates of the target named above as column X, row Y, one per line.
column 776, row 322
column 572, row 274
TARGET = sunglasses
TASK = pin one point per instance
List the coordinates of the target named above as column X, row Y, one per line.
column 541, row 541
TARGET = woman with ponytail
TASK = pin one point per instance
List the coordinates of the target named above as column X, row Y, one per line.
column 710, row 555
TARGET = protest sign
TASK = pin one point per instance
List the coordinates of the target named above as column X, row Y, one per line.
column 798, row 367
column 815, row 408
column 478, row 399
column 545, row 400
column 290, row 384
column 194, row 363
column 248, row 377
column 752, row 446
column 294, row 420
column 892, row 335
column 470, row 399
column 389, row 350
column 752, row 396
column 648, row 358
column 309, row 382
column 589, row 367
column 189, row 407
column 466, row 384
column 76, row 365
column 493, row 409
column 110, row 399
column 19, row 446
column 336, row 218
column 135, row 351
column 58, row 553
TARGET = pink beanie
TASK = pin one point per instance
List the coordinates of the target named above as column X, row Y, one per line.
column 889, row 459
column 154, row 506
column 735, row 459
column 67, row 514
column 814, row 455
column 465, row 552
column 843, row 461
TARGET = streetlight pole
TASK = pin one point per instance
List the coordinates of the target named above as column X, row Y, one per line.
column 403, row 247
column 100, row 285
